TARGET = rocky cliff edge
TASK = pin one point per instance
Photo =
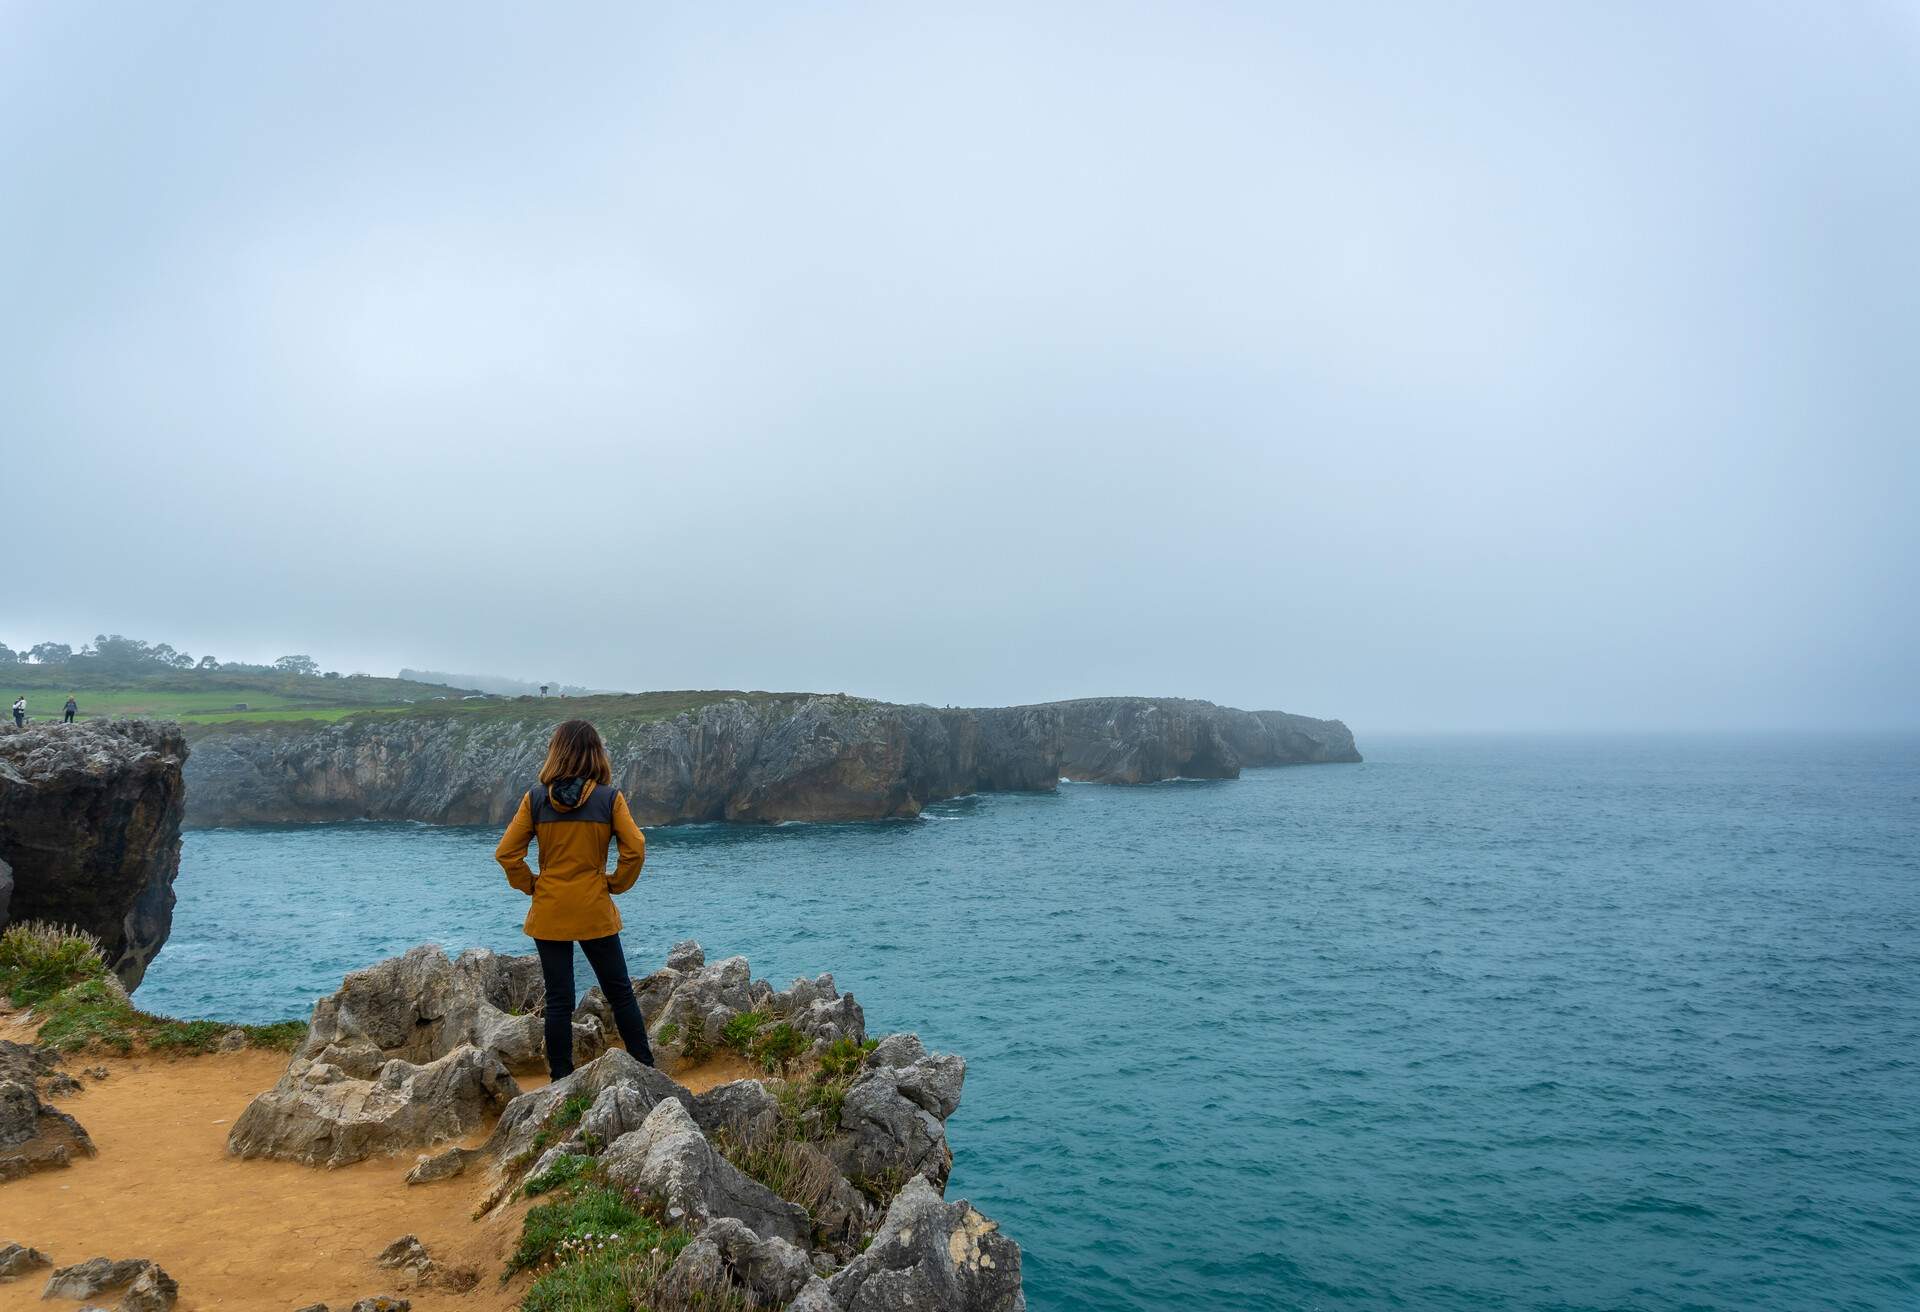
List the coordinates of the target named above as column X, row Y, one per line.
column 799, row 758
column 90, row 832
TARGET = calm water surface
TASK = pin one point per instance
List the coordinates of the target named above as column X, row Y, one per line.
column 1482, row 1023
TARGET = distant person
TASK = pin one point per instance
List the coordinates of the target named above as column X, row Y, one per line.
column 72, row 707
column 577, row 814
column 20, row 712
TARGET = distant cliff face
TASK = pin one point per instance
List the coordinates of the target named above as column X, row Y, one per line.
column 801, row 758
column 1133, row 740
column 90, row 824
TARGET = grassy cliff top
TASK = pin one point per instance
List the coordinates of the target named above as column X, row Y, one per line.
column 205, row 700
column 204, row 696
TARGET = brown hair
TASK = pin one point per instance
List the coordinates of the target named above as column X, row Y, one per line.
column 576, row 752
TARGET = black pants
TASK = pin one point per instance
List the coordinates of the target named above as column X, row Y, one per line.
column 610, row 968
column 69, row 718
column 19, row 719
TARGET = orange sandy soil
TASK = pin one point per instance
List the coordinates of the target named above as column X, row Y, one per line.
column 268, row 1236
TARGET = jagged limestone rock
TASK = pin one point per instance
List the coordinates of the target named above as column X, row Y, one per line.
column 320, row 1115
column 35, row 1136
column 727, row 1258
column 410, row 1257
column 153, row 1290
column 441, row 1166
column 421, row 1006
column 668, row 1158
column 741, row 1109
column 815, row 1296
column 96, row 1275
column 650, row 1135
column 932, row 1254
column 17, row 1260
column 36, row 1067
column 892, row 1121
column 689, row 1009
column 614, row 1112
column 527, row 1116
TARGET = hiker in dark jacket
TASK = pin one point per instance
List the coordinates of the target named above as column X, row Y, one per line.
column 20, row 711
column 72, row 708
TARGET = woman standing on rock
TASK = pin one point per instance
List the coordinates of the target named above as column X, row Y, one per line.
column 577, row 814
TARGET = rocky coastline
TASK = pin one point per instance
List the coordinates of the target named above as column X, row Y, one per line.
column 800, row 758
column 777, row 1156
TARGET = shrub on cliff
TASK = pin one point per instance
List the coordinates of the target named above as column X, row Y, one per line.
column 61, row 973
column 38, row 960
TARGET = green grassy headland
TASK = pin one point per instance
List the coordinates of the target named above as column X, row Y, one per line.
column 206, row 700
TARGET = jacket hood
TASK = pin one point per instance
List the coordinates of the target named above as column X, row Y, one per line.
column 566, row 794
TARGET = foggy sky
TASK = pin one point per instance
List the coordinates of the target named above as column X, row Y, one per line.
column 1471, row 366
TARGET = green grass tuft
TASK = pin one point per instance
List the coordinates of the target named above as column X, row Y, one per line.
column 591, row 1278
column 810, row 1108
column 568, row 1114
column 793, row 1168
column 569, row 1170
column 741, row 1029
column 38, row 960
column 694, row 1044
column 596, row 1249
column 779, row 1046
column 281, row 1035
column 583, row 1212
column 842, row 1058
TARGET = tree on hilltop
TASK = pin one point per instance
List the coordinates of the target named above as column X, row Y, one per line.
column 118, row 654
column 306, row 665
column 50, row 653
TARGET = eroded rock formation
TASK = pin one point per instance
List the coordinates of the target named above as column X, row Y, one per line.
column 34, row 1134
column 689, row 1001
column 421, row 1006
column 408, row 1053
column 17, row 1260
column 668, row 1157
column 90, row 826
column 147, row 1287
column 322, row 1116
column 931, row 1253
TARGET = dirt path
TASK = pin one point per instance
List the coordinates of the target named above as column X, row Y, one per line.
column 265, row 1236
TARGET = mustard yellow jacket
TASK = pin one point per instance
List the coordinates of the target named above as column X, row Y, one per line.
column 572, row 891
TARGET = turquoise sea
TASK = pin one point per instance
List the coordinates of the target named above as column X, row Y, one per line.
column 1553, row 1023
